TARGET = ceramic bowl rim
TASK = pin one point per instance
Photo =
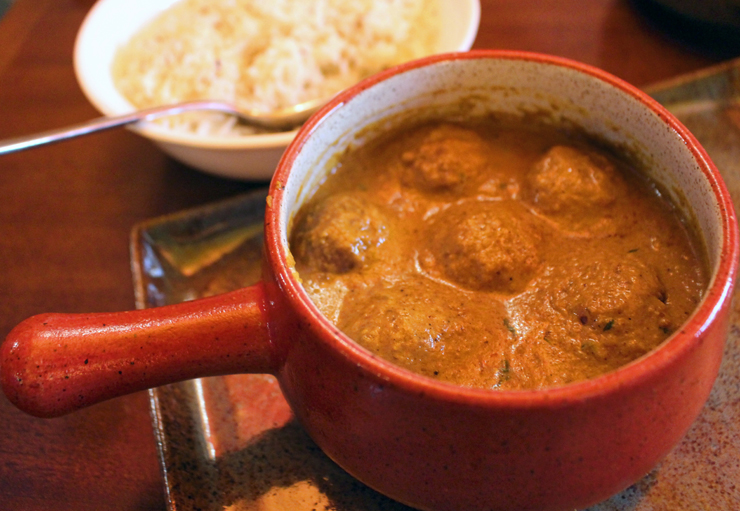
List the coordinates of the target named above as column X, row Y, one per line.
column 717, row 294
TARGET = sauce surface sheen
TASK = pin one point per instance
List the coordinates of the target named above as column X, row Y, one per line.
column 497, row 254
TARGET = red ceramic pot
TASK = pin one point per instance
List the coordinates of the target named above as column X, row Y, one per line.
column 429, row 444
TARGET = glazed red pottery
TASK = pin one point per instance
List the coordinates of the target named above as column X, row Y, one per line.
column 431, row 445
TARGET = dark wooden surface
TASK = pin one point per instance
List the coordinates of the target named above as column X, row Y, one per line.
column 66, row 211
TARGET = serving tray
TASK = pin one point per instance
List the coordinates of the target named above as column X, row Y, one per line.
column 232, row 442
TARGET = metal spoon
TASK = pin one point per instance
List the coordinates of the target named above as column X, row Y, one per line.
column 285, row 118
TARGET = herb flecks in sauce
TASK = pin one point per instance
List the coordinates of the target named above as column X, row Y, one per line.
column 496, row 255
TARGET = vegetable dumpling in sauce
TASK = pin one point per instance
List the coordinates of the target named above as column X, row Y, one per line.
column 340, row 234
column 485, row 245
column 430, row 328
column 433, row 163
column 572, row 185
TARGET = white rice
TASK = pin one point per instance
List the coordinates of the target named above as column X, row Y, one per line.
column 267, row 54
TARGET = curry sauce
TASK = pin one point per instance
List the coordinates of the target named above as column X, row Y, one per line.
column 497, row 254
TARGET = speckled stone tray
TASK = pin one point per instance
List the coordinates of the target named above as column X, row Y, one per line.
column 232, row 442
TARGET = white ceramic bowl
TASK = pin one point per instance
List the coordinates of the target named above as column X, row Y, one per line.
column 110, row 24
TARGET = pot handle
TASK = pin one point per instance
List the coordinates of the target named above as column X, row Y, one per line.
column 53, row 364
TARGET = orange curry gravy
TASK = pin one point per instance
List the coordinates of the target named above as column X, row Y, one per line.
column 497, row 255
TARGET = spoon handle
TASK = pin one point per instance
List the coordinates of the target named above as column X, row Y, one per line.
column 103, row 123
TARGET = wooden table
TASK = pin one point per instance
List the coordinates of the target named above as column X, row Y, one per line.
column 66, row 212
